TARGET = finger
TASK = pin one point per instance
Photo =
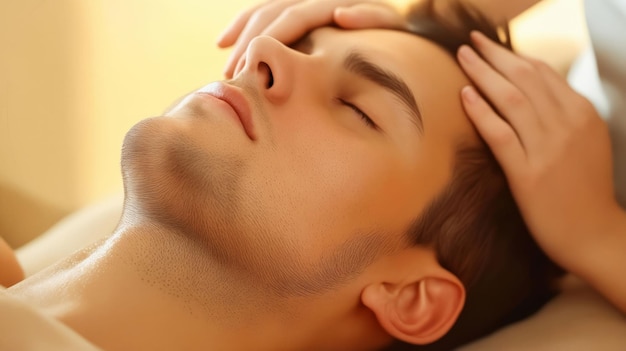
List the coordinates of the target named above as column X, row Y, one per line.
column 299, row 19
column 519, row 71
column 289, row 26
column 374, row 15
column 510, row 102
column 566, row 103
column 576, row 110
column 499, row 135
column 289, row 23
column 229, row 36
column 558, row 87
column 256, row 23
column 555, row 81
column 240, row 64
column 546, row 90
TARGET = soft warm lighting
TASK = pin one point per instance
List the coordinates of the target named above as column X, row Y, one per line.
column 76, row 75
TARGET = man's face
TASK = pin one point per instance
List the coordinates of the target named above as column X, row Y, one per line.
column 319, row 191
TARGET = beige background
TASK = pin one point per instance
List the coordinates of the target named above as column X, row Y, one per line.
column 75, row 75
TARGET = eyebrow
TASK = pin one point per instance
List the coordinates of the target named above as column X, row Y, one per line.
column 358, row 64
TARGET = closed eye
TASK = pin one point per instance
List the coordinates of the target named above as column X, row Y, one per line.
column 364, row 117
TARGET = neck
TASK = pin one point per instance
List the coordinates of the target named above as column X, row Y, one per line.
column 149, row 287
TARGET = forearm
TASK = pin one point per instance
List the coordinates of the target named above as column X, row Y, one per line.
column 603, row 264
column 502, row 11
column 498, row 11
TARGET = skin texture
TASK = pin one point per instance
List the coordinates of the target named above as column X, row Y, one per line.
column 301, row 230
column 290, row 171
column 549, row 140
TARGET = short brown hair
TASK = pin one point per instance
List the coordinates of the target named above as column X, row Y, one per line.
column 474, row 225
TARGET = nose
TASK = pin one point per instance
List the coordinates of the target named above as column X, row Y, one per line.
column 271, row 66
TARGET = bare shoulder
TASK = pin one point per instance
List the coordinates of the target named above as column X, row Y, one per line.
column 74, row 232
column 10, row 270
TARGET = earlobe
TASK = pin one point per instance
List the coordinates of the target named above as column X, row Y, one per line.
column 418, row 312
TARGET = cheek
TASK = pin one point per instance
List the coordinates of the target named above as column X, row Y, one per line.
column 324, row 182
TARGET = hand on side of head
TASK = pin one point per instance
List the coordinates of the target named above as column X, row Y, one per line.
column 551, row 143
column 288, row 20
column 10, row 270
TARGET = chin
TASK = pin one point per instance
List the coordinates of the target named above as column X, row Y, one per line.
column 176, row 173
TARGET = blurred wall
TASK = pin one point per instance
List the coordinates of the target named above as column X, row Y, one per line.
column 75, row 75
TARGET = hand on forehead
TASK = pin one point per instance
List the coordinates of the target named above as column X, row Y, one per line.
column 289, row 20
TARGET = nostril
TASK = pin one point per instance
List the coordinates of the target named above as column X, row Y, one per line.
column 265, row 68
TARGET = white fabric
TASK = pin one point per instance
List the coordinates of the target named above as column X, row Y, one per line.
column 577, row 320
column 600, row 75
column 25, row 329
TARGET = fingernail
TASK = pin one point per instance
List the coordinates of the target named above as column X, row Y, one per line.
column 469, row 94
column 467, row 54
column 476, row 35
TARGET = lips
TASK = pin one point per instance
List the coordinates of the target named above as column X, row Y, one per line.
column 233, row 97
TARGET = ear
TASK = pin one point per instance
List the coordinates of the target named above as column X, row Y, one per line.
column 418, row 312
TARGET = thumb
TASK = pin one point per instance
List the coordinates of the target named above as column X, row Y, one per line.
column 368, row 15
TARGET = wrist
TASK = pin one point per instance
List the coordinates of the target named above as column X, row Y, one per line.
column 607, row 240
